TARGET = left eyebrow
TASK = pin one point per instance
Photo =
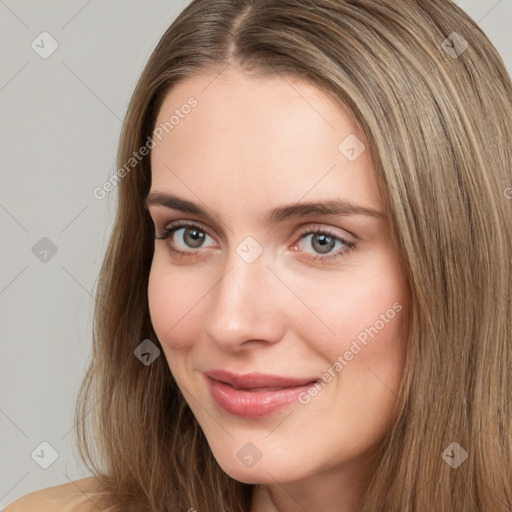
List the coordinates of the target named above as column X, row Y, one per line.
column 336, row 206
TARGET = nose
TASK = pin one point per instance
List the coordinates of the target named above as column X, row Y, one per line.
column 246, row 306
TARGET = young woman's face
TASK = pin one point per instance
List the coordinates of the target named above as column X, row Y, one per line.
column 263, row 284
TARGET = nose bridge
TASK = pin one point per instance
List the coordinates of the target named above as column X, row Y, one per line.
column 244, row 305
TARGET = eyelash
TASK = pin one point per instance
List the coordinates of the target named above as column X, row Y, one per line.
column 174, row 226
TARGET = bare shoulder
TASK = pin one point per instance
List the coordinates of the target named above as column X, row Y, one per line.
column 84, row 495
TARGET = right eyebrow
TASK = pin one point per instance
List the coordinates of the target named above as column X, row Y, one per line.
column 173, row 202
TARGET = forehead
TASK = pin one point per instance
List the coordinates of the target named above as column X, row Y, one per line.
column 271, row 138
column 234, row 99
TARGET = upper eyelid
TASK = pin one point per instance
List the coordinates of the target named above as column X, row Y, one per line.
column 178, row 224
column 199, row 223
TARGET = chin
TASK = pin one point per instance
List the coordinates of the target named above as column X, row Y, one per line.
column 264, row 471
column 260, row 475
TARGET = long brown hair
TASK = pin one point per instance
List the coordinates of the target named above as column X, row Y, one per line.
column 434, row 100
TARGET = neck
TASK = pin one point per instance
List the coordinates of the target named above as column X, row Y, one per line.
column 338, row 489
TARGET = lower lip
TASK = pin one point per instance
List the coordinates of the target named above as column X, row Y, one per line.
column 252, row 404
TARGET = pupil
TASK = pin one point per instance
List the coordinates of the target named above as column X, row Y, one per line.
column 196, row 237
column 325, row 243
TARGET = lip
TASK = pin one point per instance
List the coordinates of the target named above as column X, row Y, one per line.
column 254, row 395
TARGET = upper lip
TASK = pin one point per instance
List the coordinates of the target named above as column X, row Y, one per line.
column 257, row 380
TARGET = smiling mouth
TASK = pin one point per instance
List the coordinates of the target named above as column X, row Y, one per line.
column 258, row 381
column 274, row 388
column 254, row 402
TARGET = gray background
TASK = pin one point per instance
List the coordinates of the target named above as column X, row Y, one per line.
column 61, row 118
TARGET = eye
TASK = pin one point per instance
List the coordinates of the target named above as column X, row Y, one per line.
column 191, row 237
column 323, row 243
column 326, row 245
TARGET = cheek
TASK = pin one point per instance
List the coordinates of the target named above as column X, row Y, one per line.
column 365, row 359
column 367, row 306
column 173, row 297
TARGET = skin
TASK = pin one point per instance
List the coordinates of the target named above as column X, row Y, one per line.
column 253, row 143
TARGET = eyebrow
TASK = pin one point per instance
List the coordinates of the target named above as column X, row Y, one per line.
column 335, row 206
